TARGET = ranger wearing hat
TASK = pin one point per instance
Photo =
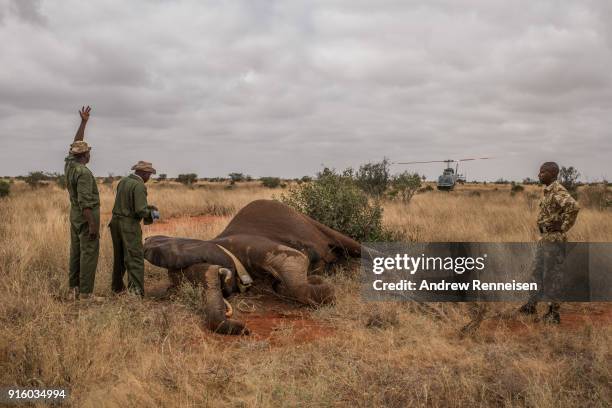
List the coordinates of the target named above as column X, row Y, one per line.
column 130, row 208
column 84, row 215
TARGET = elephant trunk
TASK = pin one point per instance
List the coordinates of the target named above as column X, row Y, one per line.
column 215, row 306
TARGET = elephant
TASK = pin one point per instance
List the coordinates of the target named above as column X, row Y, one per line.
column 265, row 239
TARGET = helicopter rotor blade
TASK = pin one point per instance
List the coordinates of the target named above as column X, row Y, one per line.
column 419, row 162
column 476, row 158
column 444, row 161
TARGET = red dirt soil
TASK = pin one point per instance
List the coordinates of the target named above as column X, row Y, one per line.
column 281, row 323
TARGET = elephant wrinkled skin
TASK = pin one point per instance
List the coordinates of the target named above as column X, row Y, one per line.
column 271, row 240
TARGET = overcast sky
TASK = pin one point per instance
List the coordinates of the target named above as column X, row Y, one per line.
column 284, row 87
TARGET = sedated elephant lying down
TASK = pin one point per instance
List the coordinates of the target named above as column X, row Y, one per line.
column 267, row 238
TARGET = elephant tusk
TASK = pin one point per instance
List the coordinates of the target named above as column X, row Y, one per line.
column 230, row 310
column 226, row 274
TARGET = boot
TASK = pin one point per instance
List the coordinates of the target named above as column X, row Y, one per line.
column 552, row 316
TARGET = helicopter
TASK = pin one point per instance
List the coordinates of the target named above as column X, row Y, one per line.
column 449, row 177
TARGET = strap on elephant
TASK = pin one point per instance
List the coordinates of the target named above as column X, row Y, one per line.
column 244, row 279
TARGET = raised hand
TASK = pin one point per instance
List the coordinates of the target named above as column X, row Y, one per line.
column 84, row 113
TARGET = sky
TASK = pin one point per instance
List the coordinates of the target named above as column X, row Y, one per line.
column 283, row 88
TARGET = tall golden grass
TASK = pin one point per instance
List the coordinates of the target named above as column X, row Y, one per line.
column 127, row 352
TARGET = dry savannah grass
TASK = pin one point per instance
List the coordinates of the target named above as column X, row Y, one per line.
column 131, row 353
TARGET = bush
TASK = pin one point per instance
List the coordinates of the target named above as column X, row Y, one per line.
column 162, row 177
column 236, row 177
column 374, row 178
column 404, row 185
column 34, row 178
column 270, row 182
column 5, row 188
column 516, row 188
column 426, row 189
column 336, row 201
column 108, row 180
column 187, row 179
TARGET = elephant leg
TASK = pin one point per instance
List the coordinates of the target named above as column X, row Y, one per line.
column 214, row 304
column 290, row 267
column 176, row 278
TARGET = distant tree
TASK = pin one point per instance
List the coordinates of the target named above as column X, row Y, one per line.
column 405, row 185
column 34, row 178
column 162, row 177
column 108, row 180
column 306, row 179
column 236, row 177
column 5, row 188
column 568, row 177
column 515, row 188
column 529, row 180
column 373, row 178
column 248, row 178
column 187, row 179
column 270, row 182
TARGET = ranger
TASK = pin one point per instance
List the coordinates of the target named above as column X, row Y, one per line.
column 130, row 208
column 84, row 215
column 557, row 214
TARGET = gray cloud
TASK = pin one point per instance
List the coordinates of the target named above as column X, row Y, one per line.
column 279, row 88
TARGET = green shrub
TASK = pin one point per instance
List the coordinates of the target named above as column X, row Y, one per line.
column 336, row 201
column 516, row 188
column 35, row 178
column 108, row 180
column 270, row 182
column 404, row 185
column 5, row 188
column 187, row 179
column 236, row 177
column 374, row 178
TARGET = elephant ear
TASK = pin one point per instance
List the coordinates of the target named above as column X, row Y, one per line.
column 178, row 253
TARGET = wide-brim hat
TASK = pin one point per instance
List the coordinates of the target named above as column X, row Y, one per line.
column 79, row 147
column 144, row 166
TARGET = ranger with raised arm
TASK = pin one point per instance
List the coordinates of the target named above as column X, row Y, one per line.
column 84, row 215
column 130, row 208
column 557, row 214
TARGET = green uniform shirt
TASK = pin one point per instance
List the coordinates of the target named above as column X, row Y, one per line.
column 131, row 199
column 558, row 212
column 81, row 185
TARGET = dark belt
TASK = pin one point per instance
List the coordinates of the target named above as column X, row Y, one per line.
column 547, row 230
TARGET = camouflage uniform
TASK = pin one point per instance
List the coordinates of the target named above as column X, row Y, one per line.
column 84, row 252
column 558, row 212
column 130, row 207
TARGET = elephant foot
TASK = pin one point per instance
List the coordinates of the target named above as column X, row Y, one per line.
column 313, row 294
